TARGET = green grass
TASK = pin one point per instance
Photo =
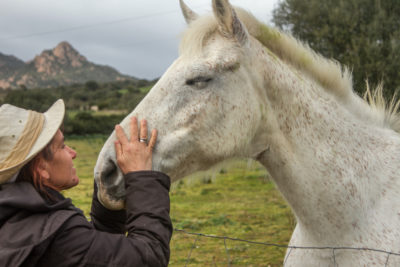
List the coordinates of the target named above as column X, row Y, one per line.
column 236, row 199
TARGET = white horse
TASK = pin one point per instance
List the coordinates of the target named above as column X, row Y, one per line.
column 242, row 89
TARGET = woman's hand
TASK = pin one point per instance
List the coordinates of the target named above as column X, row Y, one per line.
column 134, row 155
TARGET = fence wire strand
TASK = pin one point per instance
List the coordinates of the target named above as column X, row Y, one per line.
column 190, row 252
column 387, row 260
column 287, row 256
column 227, row 253
column 334, row 258
column 290, row 248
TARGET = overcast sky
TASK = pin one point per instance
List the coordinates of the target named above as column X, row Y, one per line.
column 138, row 38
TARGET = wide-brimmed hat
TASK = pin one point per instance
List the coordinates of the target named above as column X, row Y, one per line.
column 23, row 134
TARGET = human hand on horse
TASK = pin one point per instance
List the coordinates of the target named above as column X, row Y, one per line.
column 134, row 154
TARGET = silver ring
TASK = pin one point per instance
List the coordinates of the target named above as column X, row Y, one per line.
column 142, row 140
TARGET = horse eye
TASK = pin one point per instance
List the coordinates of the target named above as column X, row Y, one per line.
column 200, row 81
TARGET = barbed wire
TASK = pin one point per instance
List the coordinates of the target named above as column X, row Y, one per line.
column 334, row 249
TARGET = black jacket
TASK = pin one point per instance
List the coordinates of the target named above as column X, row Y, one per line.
column 36, row 232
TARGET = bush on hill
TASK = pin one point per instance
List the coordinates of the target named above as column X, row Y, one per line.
column 84, row 123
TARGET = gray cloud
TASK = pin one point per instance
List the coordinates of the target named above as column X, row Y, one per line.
column 139, row 38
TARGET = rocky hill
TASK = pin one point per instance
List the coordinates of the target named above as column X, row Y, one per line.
column 62, row 65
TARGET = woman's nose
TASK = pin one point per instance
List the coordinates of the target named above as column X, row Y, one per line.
column 72, row 152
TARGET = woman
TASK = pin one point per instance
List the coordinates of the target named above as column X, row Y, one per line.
column 39, row 227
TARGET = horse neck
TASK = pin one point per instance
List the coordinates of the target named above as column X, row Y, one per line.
column 330, row 166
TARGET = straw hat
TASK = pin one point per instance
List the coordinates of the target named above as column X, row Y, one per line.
column 23, row 134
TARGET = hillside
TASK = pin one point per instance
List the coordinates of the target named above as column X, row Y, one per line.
column 62, row 65
column 8, row 64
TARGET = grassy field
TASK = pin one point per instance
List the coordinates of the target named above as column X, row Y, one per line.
column 236, row 199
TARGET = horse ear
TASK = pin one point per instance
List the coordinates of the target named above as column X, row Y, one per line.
column 229, row 23
column 189, row 14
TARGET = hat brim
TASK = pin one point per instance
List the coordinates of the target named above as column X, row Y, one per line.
column 54, row 117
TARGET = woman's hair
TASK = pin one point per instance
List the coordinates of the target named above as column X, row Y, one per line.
column 29, row 172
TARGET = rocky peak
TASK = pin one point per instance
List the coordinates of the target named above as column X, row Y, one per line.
column 52, row 62
column 65, row 52
column 61, row 65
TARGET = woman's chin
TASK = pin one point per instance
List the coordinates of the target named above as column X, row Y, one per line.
column 75, row 181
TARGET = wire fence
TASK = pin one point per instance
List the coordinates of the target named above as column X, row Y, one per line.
column 290, row 248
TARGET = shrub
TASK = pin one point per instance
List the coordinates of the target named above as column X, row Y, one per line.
column 84, row 123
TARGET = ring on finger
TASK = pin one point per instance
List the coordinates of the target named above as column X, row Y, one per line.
column 142, row 140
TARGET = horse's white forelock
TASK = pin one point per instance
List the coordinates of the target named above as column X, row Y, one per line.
column 331, row 75
column 196, row 34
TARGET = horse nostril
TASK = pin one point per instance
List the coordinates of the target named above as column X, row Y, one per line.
column 112, row 181
column 109, row 173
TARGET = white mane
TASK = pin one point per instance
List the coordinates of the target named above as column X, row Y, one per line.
column 330, row 74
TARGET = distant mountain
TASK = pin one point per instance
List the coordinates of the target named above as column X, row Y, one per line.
column 62, row 65
column 9, row 64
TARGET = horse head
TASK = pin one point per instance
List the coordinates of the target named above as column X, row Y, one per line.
column 206, row 107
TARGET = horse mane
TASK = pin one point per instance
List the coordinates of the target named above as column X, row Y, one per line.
column 330, row 74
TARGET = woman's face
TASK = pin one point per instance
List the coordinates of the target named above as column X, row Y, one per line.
column 61, row 171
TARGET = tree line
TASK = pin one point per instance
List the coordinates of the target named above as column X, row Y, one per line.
column 361, row 34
